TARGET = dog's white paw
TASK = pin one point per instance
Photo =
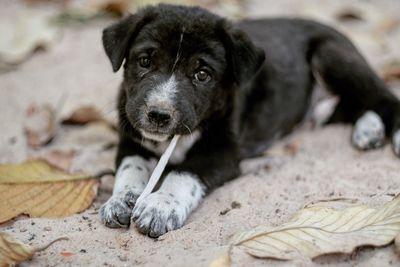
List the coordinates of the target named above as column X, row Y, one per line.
column 369, row 131
column 396, row 143
column 159, row 213
column 116, row 212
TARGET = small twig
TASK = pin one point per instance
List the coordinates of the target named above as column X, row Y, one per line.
column 51, row 243
column 345, row 199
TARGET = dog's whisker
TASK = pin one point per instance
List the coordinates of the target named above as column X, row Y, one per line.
column 187, row 127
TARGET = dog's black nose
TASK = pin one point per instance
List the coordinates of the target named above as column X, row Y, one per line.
column 159, row 116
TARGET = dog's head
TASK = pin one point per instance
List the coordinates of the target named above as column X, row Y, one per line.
column 182, row 64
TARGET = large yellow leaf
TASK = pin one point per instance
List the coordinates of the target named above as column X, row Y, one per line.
column 27, row 189
column 35, row 171
column 13, row 251
column 317, row 231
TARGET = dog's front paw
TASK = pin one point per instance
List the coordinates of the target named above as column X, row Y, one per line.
column 116, row 212
column 369, row 131
column 159, row 213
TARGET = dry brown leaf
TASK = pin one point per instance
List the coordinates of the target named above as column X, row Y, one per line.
column 40, row 125
column 13, row 251
column 349, row 14
column 25, row 33
column 59, row 158
column 47, row 200
column 118, row 7
column 317, row 231
column 391, row 71
column 38, row 189
column 83, row 116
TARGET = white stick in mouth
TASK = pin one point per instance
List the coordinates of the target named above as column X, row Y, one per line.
column 158, row 170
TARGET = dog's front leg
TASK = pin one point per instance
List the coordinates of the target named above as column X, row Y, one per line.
column 168, row 208
column 130, row 180
column 183, row 190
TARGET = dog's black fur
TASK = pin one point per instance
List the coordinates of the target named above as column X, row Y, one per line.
column 259, row 80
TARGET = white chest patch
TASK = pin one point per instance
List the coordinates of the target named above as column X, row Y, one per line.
column 184, row 144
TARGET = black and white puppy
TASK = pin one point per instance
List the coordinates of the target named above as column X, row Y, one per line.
column 230, row 90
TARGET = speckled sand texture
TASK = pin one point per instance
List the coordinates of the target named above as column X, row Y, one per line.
column 271, row 190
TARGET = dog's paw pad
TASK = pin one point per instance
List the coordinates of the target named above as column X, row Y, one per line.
column 369, row 132
column 396, row 143
column 116, row 212
column 157, row 214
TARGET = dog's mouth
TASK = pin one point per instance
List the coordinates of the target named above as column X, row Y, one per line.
column 155, row 135
column 160, row 133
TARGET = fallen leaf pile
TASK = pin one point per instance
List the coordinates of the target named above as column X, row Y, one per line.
column 318, row 230
column 38, row 189
column 13, row 251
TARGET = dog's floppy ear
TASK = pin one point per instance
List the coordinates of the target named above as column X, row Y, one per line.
column 245, row 58
column 117, row 37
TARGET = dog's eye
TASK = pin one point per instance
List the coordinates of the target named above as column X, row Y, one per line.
column 202, row 76
column 144, row 62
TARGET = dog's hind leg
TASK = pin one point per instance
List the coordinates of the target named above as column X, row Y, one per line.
column 364, row 98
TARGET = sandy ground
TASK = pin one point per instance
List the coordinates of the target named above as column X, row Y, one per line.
column 270, row 191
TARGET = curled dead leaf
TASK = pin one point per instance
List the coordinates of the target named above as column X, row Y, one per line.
column 83, row 116
column 38, row 189
column 316, row 231
column 117, row 7
column 40, row 125
column 13, row 251
column 349, row 14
